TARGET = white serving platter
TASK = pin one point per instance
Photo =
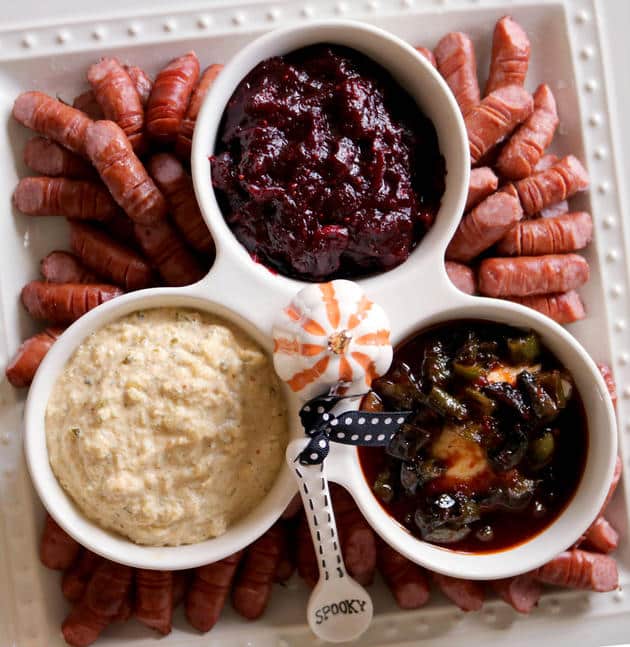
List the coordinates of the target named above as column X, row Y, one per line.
column 566, row 54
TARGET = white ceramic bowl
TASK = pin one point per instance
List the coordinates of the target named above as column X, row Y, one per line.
column 248, row 294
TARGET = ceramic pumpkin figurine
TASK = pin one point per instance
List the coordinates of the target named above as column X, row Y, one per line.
column 331, row 333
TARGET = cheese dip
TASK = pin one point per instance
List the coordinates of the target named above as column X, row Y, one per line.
column 167, row 426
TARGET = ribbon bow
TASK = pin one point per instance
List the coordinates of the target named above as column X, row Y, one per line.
column 365, row 428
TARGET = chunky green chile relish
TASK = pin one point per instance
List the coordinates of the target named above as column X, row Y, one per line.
column 497, row 442
column 325, row 167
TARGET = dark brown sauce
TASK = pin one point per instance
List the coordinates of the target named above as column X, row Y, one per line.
column 556, row 482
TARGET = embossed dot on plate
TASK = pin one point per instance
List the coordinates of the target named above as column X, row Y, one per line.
column 618, row 596
column 612, row 255
column 490, row 616
column 169, row 26
column 238, row 19
column 98, row 34
column 609, row 222
column 372, row 5
column 600, row 153
column 582, row 17
column 626, row 393
column 624, row 358
column 273, row 14
column 307, row 12
column 616, row 291
column 587, row 52
column 341, row 8
column 603, row 187
column 391, row 631
column 421, row 628
column 554, row 607
column 590, row 85
column 63, row 37
column 28, row 41
column 595, row 120
column 620, row 325
column 203, row 22
column 133, row 30
column 406, row 3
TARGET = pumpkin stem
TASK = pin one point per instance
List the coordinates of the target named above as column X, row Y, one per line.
column 338, row 342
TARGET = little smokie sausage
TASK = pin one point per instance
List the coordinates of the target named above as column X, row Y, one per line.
column 356, row 537
column 105, row 594
column 578, row 569
column 22, row 368
column 557, row 183
column 187, row 126
column 154, row 599
column 406, row 580
column 495, row 118
column 118, row 97
column 64, row 267
column 177, row 187
column 566, row 233
column 164, row 248
column 521, row 592
column 53, row 119
column 456, row 62
column 428, row 54
column 126, row 178
column 563, row 308
column 609, row 378
column 49, row 158
column 169, row 97
column 510, row 55
column 86, row 102
column 466, row 594
column 59, row 196
column 141, row 81
column 63, row 303
column 553, row 210
column 527, row 145
column 254, row 582
column 529, row 275
column 181, row 581
column 76, row 578
column 487, row 223
column 462, row 277
column 483, row 182
column 57, row 550
column 209, row 590
column 601, row 536
column 111, row 260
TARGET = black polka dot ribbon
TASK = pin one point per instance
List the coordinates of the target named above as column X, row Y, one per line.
column 364, row 428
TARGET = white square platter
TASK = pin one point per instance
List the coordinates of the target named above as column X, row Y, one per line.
column 566, row 53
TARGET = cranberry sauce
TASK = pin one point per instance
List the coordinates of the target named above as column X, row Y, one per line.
column 325, row 167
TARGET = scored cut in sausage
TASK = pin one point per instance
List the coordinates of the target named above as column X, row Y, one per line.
column 63, row 303
column 456, row 62
column 559, row 182
column 601, row 536
column 117, row 95
column 76, row 578
column 141, row 81
column 495, row 118
column 111, row 260
column 187, row 126
column 254, row 581
column 57, row 550
column 356, row 537
column 154, row 599
column 64, row 267
column 406, row 580
column 427, row 53
column 521, row 592
column 164, row 248
column 86, row 102
column 563, row 308
column 169, row 97
column 53, row 119
column 566, row 233
column 49, row 158
column 487, row 223
column 22, row 368
column 466, row 594
column 105, row 594
column 59, row 196
column 579, row 569
column 523, row 151
column 209, row 590
column 483, row 182
column 177, row 187
column 528, row 275
column 510, row 55
column 126, row 178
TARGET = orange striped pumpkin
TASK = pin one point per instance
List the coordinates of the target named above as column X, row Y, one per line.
column 331, row 333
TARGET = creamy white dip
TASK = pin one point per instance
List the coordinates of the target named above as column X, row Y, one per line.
column 167, row 426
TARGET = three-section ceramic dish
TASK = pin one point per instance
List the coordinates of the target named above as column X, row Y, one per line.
column 415, row 295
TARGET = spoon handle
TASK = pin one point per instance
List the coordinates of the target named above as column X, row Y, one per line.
column 313, row 488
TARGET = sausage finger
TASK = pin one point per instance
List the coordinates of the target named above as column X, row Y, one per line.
column 462, row 277
column 483, row 182
column 529, row 275
column 49, row 158
column 487, row 223
column 22, row 368
column 466, row 594
column 57, row 550
column 563, row 308
column 510, row 55
column 553, row 210
column 428, row 54
column 154, row 599
column 86, row 102
column 601, row 537
column 141, row 81
column 406, row 580
column 521, row 592
column 76, row 578
column 578, row 569
column 495, row 118
column 64, row 267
